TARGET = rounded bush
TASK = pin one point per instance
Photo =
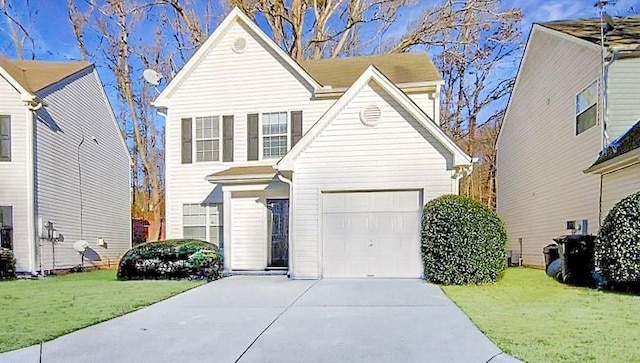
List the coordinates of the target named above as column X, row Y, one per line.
column 617, row 249
column 171, row 259
column 463, row 242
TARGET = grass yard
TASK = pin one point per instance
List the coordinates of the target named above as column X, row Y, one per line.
column 537, row 319
column 32, row 311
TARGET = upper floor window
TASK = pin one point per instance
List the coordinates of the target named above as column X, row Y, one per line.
column 587, row 108
column 274, row 134
column 208, row 138
column 5, row 138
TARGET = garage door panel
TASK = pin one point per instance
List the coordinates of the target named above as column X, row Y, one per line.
column 369, row 234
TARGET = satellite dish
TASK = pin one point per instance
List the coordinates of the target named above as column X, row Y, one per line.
column 152, row 77
column 81, row 246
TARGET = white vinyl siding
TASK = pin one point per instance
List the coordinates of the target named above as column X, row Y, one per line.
column 275, row 135
column 540, row 179
column 77, row 108
column 13, row 174
column 207, row 138
column 249, row 233
column 619, row 184
column 623, row 101
column 348, row 156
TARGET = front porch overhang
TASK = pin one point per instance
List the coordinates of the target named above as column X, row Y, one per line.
column 243, row 175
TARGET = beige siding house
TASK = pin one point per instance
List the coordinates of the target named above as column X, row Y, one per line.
column 554, row 130
column 62, row 160
column 317, row 169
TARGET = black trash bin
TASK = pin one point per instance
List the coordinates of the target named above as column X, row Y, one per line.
column 577, row 257
column 551, row 254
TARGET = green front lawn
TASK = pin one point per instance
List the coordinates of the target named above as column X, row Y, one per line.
column 32, row 311
column 537, row 319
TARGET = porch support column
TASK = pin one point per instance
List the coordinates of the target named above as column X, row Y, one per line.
column 226, row 215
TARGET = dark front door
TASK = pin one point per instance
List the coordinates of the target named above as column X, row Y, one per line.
column 279, row 243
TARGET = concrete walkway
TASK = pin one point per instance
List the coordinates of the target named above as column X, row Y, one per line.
column 273, row 319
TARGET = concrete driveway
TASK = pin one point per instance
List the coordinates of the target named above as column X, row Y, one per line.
column 274, row 319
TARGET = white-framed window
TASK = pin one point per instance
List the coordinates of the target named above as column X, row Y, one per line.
column 203, row 222
column 208, row 138
column 587, row 108
column 275, row 135
column 194, row 221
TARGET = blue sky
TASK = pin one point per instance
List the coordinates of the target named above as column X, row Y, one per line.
column 55, row 40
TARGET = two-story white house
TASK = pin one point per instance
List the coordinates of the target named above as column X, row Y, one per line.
column 320, row 168
column 549, row 171
column 62, row 160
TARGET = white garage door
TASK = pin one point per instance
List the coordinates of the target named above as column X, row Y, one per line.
column 371, row 234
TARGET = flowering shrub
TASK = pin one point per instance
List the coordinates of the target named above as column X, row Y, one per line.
column 463, row 242
column 617, row 249
column 171, row 259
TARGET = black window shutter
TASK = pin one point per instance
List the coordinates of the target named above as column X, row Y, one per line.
column 187, row 142
column 227, row 138
column 252, row 136
column 5, row 138
column 296, row 127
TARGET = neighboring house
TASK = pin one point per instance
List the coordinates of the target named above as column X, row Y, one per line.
column 619, row 166
column 319, row 168
column 63, row 160
column 554, row 129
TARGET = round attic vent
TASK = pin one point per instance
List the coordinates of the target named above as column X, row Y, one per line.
column 370, row 115
column 239, row 45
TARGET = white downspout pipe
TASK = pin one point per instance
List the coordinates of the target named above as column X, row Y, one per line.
column 283, row 179
column 32, row 107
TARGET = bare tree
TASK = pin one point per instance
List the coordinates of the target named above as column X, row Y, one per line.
column 127, row 47
column 333, row 31
column 477, row 46
column 19, row 23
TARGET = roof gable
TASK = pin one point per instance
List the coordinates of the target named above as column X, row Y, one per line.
column 373, row 74
column 33, row 76
column 625, row 34
column 537, row 30
column 235, row 15
column 400, row 68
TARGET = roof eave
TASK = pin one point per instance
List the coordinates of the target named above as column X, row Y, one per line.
column 241, row 179
column 618, row 162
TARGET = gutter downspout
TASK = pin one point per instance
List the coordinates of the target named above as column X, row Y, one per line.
column 283, row 179
column 32, row 107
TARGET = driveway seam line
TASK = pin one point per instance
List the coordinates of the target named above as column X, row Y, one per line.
column 274, row 320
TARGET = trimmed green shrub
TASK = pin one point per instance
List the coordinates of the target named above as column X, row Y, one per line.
column 463, row 242
column 171, row 259
column 7, row 264
column 617, row 249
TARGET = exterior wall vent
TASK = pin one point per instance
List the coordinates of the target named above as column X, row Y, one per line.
column 239, row 45
column 370, row 115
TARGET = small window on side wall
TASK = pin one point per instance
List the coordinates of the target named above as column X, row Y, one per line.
column 587, row 108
